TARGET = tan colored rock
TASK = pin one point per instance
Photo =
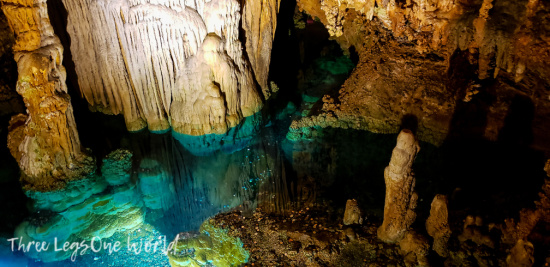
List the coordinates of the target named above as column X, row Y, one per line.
column 401, row 199
column 437, row 225
column 352, row 214
column 425, row 59
column 521, row 255
column 414, row 248
column 44, row 142
column 475, row 231
column 176, row 63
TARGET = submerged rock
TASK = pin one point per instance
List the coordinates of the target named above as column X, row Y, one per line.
column 212, row 247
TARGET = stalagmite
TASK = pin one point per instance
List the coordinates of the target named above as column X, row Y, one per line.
column 400, row 196
column 352, row 214
column 437, row 225
column 173, row 63
column 45, row 141
column 521, row 255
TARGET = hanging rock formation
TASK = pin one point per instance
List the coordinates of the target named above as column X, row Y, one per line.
column 437, row 225
column 173, row 63
column 45, row 141
column 437, row 60
column 400, row 196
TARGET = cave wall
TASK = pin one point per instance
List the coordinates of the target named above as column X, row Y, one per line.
column 454, row 67
column 199, row 67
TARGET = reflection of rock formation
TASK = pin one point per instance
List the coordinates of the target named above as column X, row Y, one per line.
column 173, row 63
column 400, row 196
column 84, row 209
column 44, row 142
column 157, row 187
column 408, row 62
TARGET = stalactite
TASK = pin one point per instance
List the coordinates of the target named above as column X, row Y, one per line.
column 176, row 64
column 45, row 141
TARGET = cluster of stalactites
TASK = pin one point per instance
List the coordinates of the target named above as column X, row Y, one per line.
column 444, row 26
column 173, row 63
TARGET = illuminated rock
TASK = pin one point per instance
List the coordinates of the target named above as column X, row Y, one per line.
column 429, row 58
column 400, row 196
column 45, row 141
column 176, row 63
column 352, row 214
column 521, row 255
column 414, row 248
column 212, row 247
column 437, row 225
column 84, row 209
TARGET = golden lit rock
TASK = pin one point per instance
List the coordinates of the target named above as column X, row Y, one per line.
column 44, row 142
column 401, row 199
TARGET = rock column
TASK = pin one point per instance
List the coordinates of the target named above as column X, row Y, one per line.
column 400, row 196
column 45, row 141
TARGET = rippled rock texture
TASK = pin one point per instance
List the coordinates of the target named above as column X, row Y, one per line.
column 44, row 141
column 452, row 65
column 199, row 67
column 401, row 199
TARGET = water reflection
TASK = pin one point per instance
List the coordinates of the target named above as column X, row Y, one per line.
column 154, row 192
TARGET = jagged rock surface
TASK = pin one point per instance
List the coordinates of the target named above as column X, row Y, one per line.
column 173, row 63
column 44, row 142
column 434, row 60
column 401, row 199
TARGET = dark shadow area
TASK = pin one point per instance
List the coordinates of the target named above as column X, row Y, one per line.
column 409, row 122
column 518, row 124
column 494, row 180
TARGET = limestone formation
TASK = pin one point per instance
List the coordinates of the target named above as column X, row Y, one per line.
column 437, row 60
column 352, row 214
column 414, row 247
column 521, row 255
column 437, row 225
column 401, row 199
column 475, row 231
column 45, row 141
column 173, row 63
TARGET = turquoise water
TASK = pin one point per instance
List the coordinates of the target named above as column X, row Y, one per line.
column 162, row 188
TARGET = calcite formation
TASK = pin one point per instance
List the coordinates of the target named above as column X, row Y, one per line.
column 213, row 246
column 414, row 248
column 401, row 199
column 84, row 209
column 45, row 141
column 521, row 255
column 173, row 63
column 352, row 214
column 437, row 225
column 438, row 61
